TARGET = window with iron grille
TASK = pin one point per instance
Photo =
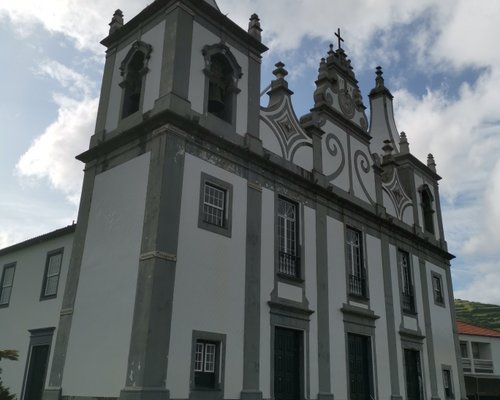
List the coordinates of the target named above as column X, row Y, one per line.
column 355, row 266
column 215, row 205
column 6, row 284
column 52, row 272
column 289, row 260
column 407, row 296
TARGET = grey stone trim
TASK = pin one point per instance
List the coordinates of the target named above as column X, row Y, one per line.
column 159, row 255
column 50, row 393
column 102, row 109
column 143, row 393
column 390, row 319
column 253, row 115
column 228, row 206
column 323, row 314
column 410, row 336
column 150, row 337
column 71, row 286
column 461, row 381
column 176, row 62
column 360, row 320
column 218, row 392
column 428, row 327
column 251, row 337
column 439, row 216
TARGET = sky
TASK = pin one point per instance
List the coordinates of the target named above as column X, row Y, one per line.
column 440, row 60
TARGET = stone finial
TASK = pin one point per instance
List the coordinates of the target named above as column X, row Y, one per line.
column 254, row 28
column 379, row 80
column 431, row 163
column 280, row 72
column 322, row 70
column 404, row 146
column 387, row 147
column 330, row 52
column 116, row 22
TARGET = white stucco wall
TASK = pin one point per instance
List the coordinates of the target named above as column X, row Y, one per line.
column 25, row 310
column 105, row 299
column 209, row 292
column 154, row 37
column 202, row 37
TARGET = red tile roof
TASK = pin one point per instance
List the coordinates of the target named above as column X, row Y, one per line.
column 469, row 329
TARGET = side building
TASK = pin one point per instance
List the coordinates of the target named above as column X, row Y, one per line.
column 228, row 250
column 480, row 352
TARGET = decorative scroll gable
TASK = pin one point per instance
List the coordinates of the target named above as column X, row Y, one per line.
column 397, row 195
column 284, row 125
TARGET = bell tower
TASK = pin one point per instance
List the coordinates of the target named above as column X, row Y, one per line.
column 178, row 73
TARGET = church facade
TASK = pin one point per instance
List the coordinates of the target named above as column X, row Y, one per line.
column 228, row 250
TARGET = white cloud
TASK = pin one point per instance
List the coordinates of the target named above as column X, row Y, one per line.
column 51, row 156
column 85, row 22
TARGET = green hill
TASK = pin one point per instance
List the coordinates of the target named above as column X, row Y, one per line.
column 486, row 315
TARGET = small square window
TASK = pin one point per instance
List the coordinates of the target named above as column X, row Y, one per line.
column 52, row 272
column 6, row 284
column 215, row 205
column 437, row 289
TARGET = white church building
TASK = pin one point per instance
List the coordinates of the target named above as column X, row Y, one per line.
column 228, row 250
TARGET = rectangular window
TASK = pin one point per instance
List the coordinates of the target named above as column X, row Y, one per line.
column 447, row 383
column 206, row 364
column 52, row 272
column 407, row 296
column 287, row 236
column 437, row 288
column 215, row 205
column 355, row 266
column 6, row 283
column 475, row 350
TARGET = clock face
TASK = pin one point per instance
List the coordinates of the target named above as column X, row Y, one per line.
column 346, row 103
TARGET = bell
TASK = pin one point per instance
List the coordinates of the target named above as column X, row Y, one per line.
column 215, row 98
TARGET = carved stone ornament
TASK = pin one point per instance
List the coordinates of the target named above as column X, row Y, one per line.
column 346, row 103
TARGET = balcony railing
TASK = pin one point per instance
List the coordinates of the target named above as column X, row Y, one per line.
column 477, row 366
column 289, row 264
column 408, row 301
column 357, row 285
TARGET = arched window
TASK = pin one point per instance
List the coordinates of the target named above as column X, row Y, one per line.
column 222, row 73
column 133, row 68
column 427, row 210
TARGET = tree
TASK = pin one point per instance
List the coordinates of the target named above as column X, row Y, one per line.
column 4, row 391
